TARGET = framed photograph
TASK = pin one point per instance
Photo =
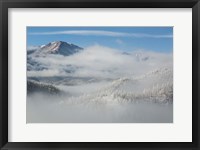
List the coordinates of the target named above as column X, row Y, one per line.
column 101, row 75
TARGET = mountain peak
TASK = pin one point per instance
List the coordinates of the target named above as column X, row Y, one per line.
column 57, row 42
column 58, row 47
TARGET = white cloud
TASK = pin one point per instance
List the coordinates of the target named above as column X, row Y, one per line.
column 99, row 61
column 30, row 48
column 102, row 33
column 43, row 73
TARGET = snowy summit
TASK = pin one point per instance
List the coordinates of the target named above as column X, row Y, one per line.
column 58, row 47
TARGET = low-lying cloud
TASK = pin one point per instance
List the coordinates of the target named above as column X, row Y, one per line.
column 104, row 85
column 99, row 61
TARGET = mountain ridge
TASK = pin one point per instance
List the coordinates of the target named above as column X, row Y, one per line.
column 57, row 47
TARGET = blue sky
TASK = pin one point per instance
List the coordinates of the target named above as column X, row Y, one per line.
column 158, row 39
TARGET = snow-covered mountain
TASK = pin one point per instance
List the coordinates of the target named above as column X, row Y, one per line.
column 155, row 86
column 57, row 47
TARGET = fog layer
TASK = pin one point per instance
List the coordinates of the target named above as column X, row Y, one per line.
column 101, row 85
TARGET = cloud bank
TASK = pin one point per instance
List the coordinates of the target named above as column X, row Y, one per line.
column 99, row 61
